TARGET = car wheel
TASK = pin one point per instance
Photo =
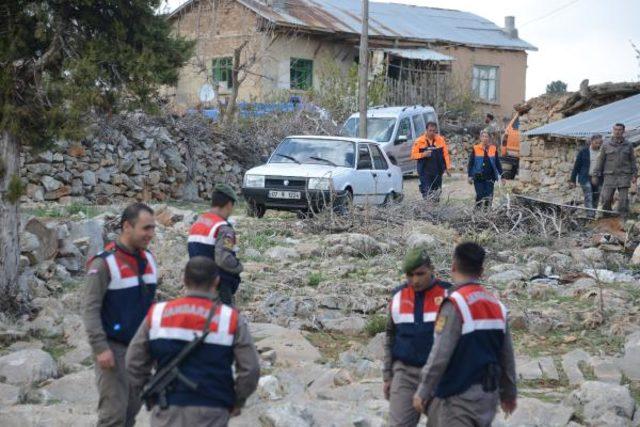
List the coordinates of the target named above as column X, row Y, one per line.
column 345, row 206
column 255, row 211
column 392, row 198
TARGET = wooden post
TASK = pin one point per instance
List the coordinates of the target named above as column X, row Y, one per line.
column 363, row 75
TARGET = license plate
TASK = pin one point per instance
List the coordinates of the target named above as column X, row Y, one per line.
column 289, row 195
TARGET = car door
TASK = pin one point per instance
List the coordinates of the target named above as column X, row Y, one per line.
column 364, row 184
column 404, row 143
column 381, row 173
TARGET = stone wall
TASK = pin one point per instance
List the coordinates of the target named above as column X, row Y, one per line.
column 138, row 156
column 545, row 169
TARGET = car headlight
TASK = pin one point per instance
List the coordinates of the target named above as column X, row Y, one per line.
column 254, row 181
column 323, row 184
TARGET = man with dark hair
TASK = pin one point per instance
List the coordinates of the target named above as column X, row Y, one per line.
column 432, row 156
column 409, row 335
column 616, row 169
column 213, row 236
column 492, row 129
column 584, row 172
column 472, row 365
column 121, row 285
column 170, row 326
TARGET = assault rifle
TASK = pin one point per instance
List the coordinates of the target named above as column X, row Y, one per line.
column 155, row 391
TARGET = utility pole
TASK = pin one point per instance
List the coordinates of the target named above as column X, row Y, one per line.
column 363, row 72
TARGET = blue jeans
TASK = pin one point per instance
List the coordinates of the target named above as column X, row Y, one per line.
column 591, row 196
column 430, row 186
column 484, row 191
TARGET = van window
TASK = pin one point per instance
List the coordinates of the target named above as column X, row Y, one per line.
column 379, row 162
column 419, row 124
column 379, row 129
column 404, row 129
column 429, row 117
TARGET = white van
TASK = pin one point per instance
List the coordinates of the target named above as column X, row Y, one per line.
column 395, row 129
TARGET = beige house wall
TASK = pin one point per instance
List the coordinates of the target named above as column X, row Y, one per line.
column 512, row 72
column 219, row 30
column 269, row 74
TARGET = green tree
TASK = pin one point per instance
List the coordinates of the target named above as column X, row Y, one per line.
column 60, row 62
column 557, row 87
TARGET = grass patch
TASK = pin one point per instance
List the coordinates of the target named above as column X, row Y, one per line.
column 314, row 279
column 375, row 324
column 331, row 345
column 56, row 350
column 63, row 211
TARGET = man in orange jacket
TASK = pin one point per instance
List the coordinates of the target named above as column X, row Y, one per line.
column 431, row 152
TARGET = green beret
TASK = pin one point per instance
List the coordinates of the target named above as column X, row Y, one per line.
column 415, row 258
column 226, row 190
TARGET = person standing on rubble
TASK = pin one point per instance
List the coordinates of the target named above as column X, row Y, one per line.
column 484, row 169
column 472, row 364
column 213, row 236
column 616, row 169
column 409, row 335
column 432, row 155
column 121, row 286
column 584, row 172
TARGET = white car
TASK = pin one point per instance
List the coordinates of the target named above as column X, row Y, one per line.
column 308, row 173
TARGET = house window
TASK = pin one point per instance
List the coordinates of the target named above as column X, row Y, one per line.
column 485, row 82
column 301, row 74
column 222, row 68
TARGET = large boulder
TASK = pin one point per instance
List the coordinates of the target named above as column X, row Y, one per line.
column 9, row 394
column 90, row 229
column 535, row 413
column 287, row 415
column 47, row 236
column 290, row 345
column 630, row 362
column 62, row 415
column 282, row 253
column 416, row 240
column 506, row 277
column 73, row 388
column 353, row 244
column 27, row 366
column 595, row 398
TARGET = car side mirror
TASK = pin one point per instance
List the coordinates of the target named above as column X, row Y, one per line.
column 401, row 139
column 264, row 159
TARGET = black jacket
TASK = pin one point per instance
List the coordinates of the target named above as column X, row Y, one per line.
column 581, row 166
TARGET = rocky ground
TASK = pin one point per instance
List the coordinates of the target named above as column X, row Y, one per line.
column 317, row 299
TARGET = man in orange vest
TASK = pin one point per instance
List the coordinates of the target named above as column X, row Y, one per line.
column 484, row 169
column 432, row 155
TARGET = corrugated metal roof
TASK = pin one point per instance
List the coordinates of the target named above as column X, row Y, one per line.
column 388, row 20
column 599, row 120
column 422, row 54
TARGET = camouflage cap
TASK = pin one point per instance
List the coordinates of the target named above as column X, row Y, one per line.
column 226, row 190
column 415, row 258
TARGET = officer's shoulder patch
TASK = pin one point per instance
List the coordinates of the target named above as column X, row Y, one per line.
column 438, row 300
column 441, row 321
column 228, row 242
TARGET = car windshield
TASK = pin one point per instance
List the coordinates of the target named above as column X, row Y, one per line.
column 329, row 152
column 379, row 129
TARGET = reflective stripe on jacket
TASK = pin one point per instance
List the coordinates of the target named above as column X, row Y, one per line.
column 483, row 330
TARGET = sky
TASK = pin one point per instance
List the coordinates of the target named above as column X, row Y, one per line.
column 576, row 39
